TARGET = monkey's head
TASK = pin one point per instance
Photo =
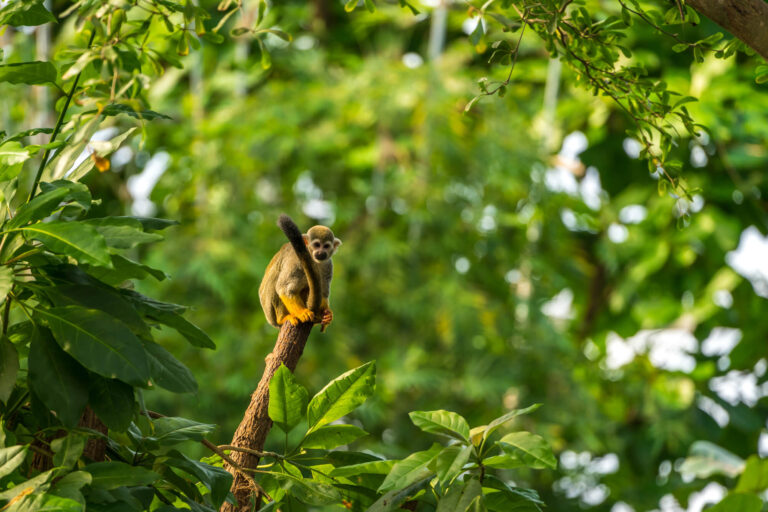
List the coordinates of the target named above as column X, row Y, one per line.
column 321, row 243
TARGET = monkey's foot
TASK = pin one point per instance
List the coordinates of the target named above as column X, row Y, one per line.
column 288, row 318
column 305, row 315
column 327, row 317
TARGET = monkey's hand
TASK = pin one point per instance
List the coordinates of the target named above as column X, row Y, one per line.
column 327, row 317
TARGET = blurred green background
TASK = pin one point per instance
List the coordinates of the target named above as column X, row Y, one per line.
column 516, row 254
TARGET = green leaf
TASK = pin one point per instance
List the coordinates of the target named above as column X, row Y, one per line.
column 287, row 399
column 111, row 475
column 738, row 503
column 167, row 371
column 115, row 109
column 342, row 395
column 370, row 5
column 122, row 232
column 376, row 467
column 680, row 47
column 9, row 367
column 507, row 501
column 167, row 314
column 29, row 13
column 99, row 342
column 393, row 499
column 442, row 422
column 216, row 479
column 30, row 73
column 533, row 450
column 309, row 491
column 449, row 463
column 754, row 478
column 122, row 270
column 459, row 496
column 68, row 449
column 279, row 33
column 12, row 153
column 46, row 203
column 171, row 430
column 503, row 461
column 11, row 458
column 57, row 379
column 112, row 401
column 331, row 436
column 411, row 469
column 75, row 239
column 350, row 5
column 98, row 297
column 501, row 420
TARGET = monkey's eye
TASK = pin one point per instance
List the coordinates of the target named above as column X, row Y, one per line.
column 315, row 244
column 327, row 245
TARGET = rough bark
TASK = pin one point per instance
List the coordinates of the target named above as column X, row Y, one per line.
column 745, row 19
column 253, row 429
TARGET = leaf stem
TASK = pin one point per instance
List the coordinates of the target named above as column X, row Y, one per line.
column 59, row 122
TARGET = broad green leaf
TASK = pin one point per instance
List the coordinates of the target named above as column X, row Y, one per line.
column 754, row 478
column 111, row 475
column 216, row 479
column 738, row 502
column 6, row 281
column 70, row 484
column 99, row 342
column 67, row 449
column 167, row 314
column 341, row 396
column 501, row 420
column 99, row 297
column 533, row 450
column 376, row 467
column 12, row 153
column 167, row 371
column 28, row 486
column 331, row 436
column 75, row 239
column 46, row 203
column 506, row 501
column 155, row 224
column 9, row 367
column 308, row 491
column 27, row 13
column 503, row 461
column 122, row 232
column 171, row 430
column 409, row 470
column 112, row 401
column 57, row 379
column 287, row 399
column 459, row 496
column 11, row 458
column 494, row 482
column 45, row 503
column 30, row 73
column 122, row 270
column 392, row 500
column 115, row 109
column 706, row 459
column 441, row 422
column 449, row 463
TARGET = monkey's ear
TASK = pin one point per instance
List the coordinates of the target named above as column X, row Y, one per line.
column 306, row 239
column 336, row 243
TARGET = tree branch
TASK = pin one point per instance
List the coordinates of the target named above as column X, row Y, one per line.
column 250, row 436
column 745, row 19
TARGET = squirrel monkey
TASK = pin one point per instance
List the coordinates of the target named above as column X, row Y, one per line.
column 284, row 289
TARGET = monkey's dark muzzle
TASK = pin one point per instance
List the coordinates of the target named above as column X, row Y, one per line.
column 320, row 256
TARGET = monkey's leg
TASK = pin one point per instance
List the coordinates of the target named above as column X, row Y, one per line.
column 297, row 308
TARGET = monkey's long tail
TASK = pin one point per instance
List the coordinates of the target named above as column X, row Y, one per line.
column 294, row 236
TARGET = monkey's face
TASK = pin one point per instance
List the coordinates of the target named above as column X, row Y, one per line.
column 321, row 243
column 321, row 250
